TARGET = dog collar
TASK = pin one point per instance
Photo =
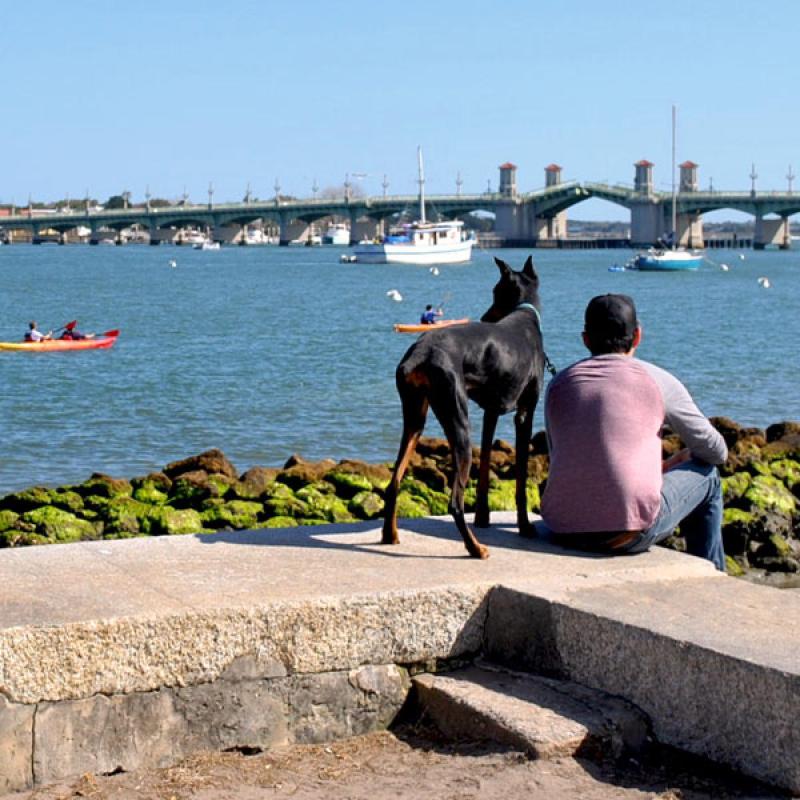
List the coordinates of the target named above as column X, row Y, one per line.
column 533, row 308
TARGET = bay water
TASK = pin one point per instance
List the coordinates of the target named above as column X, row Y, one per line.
column 266, row 351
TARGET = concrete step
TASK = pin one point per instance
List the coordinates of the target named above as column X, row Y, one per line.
column 543, row 717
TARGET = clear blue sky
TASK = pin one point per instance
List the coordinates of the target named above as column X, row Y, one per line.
column 114, row 96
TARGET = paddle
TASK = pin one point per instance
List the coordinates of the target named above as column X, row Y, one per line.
column 68, row 327
column 110, row 334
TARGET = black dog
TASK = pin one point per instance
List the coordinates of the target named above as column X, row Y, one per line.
column 497, row 362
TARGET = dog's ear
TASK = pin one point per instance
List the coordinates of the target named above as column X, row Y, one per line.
column 528, row 269
column 504, row 268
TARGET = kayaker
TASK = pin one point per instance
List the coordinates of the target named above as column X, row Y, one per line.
column 429, row 315
column 33, row 333
column 74, row 333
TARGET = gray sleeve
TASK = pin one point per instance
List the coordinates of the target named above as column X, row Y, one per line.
column 685, row 418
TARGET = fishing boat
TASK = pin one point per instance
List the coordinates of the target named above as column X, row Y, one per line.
column 336, row 233
column 100, row 342
column 419, row 242
column 670, row 258
column 420, row 327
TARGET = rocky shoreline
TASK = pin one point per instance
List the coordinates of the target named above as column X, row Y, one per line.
column 206, row 493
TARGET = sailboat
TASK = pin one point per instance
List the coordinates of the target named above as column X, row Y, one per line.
column 670, row 258
column 419, row 242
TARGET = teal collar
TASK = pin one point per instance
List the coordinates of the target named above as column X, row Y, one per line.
column 533, row 308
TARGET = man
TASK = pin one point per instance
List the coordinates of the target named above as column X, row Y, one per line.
column 33, row 334
column 608, row 490
column 429, row 315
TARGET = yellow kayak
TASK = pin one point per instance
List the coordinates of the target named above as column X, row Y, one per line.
column 419, row 327
column 100, row 342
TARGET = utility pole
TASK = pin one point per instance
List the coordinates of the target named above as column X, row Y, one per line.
column 210, row 195
column 790, row 176
column 385, row 184
column 277, row 188
column 314, row 188
column 458, row 184
column 753, row 176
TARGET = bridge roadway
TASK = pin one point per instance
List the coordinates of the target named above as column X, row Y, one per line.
column 540, row 204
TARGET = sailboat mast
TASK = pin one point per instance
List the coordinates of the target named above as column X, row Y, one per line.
column 674, row 185
column 421, row 186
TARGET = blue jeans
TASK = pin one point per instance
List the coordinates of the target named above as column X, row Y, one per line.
column 691, row 496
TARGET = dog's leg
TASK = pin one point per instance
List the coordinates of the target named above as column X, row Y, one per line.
column 451, row 410
column 487, row 437
column 523, row 422
column 415, row 409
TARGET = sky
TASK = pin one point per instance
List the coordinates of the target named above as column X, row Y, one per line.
column 103, row 97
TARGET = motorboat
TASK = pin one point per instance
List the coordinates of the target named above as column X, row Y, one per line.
column 194, row 238
column 336, row 233
column 419, row 242
column 206, row 245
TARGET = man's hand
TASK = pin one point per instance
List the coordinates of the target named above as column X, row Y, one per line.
column 681, row 457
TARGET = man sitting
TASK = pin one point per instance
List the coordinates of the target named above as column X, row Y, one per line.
column 608, row 490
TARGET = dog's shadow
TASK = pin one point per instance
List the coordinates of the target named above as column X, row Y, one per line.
column 503, row 535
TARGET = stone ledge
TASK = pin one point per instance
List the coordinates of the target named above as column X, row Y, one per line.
column 130, row 629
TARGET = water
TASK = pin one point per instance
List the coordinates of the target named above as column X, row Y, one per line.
column 264, row 352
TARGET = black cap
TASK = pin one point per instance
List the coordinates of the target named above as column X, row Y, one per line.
column 610, row 322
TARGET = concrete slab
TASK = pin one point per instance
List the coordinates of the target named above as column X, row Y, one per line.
column 710, row 659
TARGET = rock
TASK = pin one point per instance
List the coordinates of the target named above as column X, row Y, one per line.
column 123, row 517
column 323, row 505
column 788, row 446
column 104, row 486
column 284, row 506
column 781, row 429
column 734, row 487
column 280, row 522
column 377, row 476
column 27, row 500
column 58, row 525
column 7, row 519
column 168, row 521
column 192, row 488
column 366, row 505
column 153, row 488
column 427, row 471
column 211, row 461
column 301, row 473
column 432, row 447
column 253, row 483
column 538, row 468
column 410, row 506
column 435, row 502
column 237, row 514
column 768, row 493
column 68, row 500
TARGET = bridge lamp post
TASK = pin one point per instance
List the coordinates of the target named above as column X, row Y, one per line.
column 790, row 176
column 210, row 195
column 753, row 176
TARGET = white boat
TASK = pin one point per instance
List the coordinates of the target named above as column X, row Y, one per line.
column 194, row 238
column 669, row 259
column 419, row 242
column 207, row 246
column 336, row 233
column 254, row 237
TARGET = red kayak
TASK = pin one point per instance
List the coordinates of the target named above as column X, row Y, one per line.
column 100, row 342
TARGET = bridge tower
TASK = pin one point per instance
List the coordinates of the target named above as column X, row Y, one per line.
column 552, row 226
column 689, row 225
column 647, row 213
column 508, row 180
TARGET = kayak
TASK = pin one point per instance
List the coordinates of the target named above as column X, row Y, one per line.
column 101, row 342
column 419, row 327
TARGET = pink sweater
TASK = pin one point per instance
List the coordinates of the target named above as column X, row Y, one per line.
column 604, row 417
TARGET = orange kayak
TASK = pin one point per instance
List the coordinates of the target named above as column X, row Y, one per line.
column 418, row 327
column 100, row 342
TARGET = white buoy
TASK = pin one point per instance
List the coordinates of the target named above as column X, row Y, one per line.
column 173, row 263
column 724, row 267
column 434, row 270
column 763, row 282
column 395, row 295
column 741, row 256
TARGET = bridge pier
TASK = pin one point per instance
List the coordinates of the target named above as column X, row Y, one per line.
column 771, row 231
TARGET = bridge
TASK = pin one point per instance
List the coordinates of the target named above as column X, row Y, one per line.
column 535, row 218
